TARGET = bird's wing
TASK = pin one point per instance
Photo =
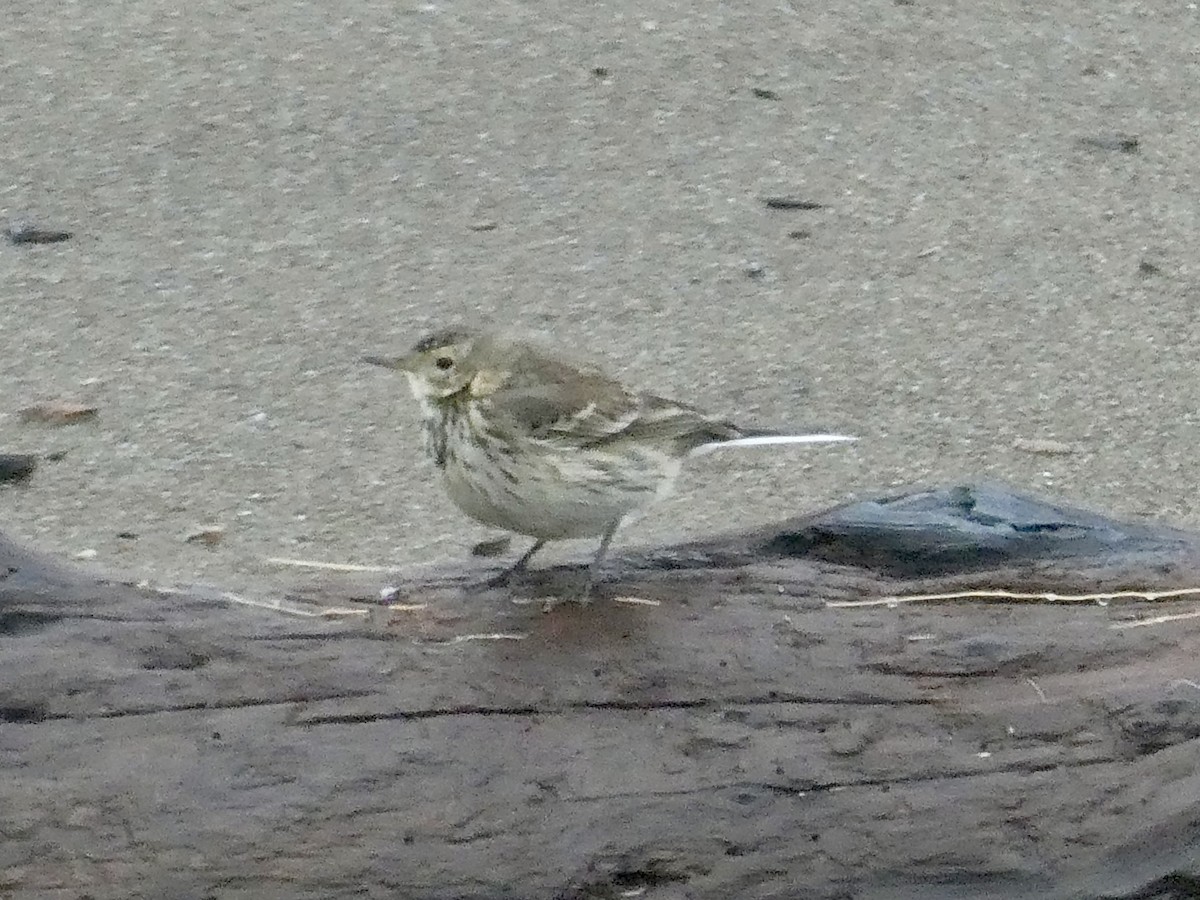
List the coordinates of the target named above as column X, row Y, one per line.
column 550, row 399
column 579, row 411
column 600, row 413
column 674, row 424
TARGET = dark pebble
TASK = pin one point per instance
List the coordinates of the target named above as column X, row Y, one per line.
column 764, row 94
column 16, row 466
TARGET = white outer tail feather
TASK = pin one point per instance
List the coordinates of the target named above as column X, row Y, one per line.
column 768, row 440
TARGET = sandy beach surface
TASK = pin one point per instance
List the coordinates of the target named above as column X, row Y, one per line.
column 998, row 280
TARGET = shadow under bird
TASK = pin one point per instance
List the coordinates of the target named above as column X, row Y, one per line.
column 536, row 445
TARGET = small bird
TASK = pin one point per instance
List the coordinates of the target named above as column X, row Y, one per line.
column 533, row 444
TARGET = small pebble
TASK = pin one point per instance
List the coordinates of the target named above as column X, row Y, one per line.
column 58, row 412
column 209, row 535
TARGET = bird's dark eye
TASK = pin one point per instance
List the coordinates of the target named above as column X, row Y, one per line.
column 444, row 362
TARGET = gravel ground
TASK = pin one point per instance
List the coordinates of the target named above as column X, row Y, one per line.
column 258, row 193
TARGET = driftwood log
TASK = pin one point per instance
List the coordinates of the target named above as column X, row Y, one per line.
column 750, row 736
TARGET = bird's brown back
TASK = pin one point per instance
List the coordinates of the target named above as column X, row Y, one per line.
column 550, row 398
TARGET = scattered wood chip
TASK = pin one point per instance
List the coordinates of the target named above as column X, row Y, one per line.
column 1044, row 446
column 496, row 547
column 25, row 233
column 637, row 601
column 1121, row 143
column 58, row 412
column 791, row 203
column 16, row 466
column 483, row 225
column 209, row 535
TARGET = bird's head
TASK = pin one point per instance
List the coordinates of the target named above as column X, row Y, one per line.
column 438, row 364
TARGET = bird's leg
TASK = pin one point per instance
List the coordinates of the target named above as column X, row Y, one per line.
column 598, row 561
column 518, row 567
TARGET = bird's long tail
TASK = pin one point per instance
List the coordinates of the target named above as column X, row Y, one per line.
column 766, row 440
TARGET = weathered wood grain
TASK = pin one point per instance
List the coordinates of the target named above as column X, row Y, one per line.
column 741, row 739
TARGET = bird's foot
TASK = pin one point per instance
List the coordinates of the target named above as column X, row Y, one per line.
column 505, row 578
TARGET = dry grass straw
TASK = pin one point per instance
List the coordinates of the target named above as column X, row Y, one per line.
column 1100, row 599
column 1043, row 597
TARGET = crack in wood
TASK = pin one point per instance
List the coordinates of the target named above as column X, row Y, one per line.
column 803, row 790
column 191, row 707
column 603, row 706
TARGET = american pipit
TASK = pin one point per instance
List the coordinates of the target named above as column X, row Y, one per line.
column 530, row 443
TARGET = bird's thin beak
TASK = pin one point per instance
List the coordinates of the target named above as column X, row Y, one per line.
column 388, row 362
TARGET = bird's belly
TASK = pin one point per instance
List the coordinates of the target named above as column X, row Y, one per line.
column 552, row 494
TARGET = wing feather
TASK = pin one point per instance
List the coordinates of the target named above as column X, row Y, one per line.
column 550, row 399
